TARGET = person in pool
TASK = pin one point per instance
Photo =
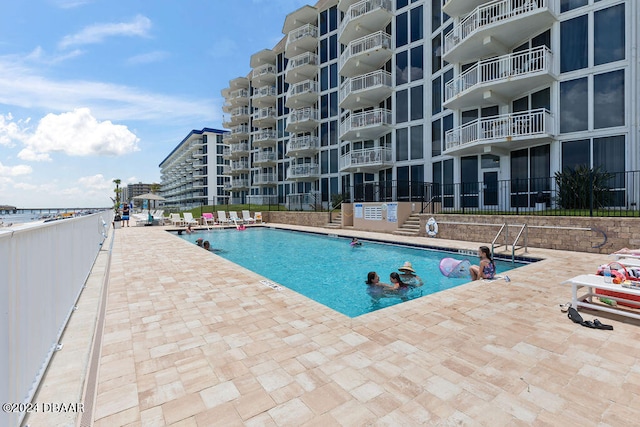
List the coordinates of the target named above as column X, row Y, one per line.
column 355, row 242
column 374, row 280
column 487, row 268
column 408, row 275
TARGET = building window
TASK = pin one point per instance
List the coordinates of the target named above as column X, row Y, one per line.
column 436, row 139
column 402, row 29
column 402, row 74
column 402, row 144
column 402, row 106
column 417, row 29
column 417, row 102
column 436, row 95
column 567, row 5
column 608, row 35
column 608, row 99
column 574, row 39
column 417, row 142
column 574, row 105
column 417, row 63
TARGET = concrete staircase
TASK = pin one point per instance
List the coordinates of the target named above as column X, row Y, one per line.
column 411, row 226
column 336, row 222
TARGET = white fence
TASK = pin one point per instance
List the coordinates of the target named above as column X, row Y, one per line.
column 43, row 269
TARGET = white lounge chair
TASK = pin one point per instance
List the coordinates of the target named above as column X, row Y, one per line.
column 176, row 219
column 246, row 217
column 222, row 217
column 233, row 217
column 257, row 216
column 159, row 216
column 189, row 219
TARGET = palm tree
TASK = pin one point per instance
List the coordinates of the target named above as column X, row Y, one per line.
column 117, row 191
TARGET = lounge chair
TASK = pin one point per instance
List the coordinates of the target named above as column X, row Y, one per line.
column 175, row 219
column 222, row 217
column 233, row 217
column 208, row 219
column 246, row 217
column 257, row 216
column 159, row 216
column 189, row 219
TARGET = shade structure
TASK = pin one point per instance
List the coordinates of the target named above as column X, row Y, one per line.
column 149, row 196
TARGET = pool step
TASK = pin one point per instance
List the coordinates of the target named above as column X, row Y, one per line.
column 336, row 222
column 411, row 226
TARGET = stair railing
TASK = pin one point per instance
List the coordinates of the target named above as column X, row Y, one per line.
column 495, row 239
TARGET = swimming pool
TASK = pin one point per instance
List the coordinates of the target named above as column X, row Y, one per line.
column 328, row 269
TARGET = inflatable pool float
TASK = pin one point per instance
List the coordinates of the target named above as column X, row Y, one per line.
column 455, row 268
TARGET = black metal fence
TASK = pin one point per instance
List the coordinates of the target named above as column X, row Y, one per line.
column 589, row 194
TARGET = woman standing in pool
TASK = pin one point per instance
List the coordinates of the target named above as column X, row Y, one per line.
column 487, row 268
column 374, row 280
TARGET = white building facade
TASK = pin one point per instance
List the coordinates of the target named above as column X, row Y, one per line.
column 193, row 174
column 474, row 103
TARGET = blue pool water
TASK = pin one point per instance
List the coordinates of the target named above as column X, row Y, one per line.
column 328, row 269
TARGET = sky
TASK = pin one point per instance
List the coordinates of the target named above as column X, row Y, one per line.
column 97, row 90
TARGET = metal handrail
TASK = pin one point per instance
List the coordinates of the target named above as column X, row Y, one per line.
column 526, row 242
column 493, row 242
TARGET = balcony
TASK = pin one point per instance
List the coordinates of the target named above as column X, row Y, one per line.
column 239, row 150
column 303, row 172
column 238, row 115
column 365, row 91
column 239, row 166
column 265, row 138
column 303, row 94
column 456, row 8
column 264, row 96
column 265, row 178
column 238, row 184
column 302, row 39
column 237, row 98
column 366, row 160
column 505, row 133
column 303, row 146
column 240, row 132
column 302, row 67
column 498, row 80
column 264, row 117
column 302, row 120
column 365, row 17
column 264, row 75
column 265, row 158
column 366, row 125
column 491, row 29
column 365, row 54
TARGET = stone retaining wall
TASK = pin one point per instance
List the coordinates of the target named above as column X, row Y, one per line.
column 581, row 234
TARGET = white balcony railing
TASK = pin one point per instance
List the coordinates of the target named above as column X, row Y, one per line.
column 240, row 93
column 265, row 157
column 304, row 142
column 307, row 30
column 500, row 68
column 307, row 86
column 267, row 69
column 264, row 113
column 364, row 82
column 239, row 148
column 365, row 119
column 264, row 91
column 489, row 14
column 264, row 178
column 376, row 156
column 239, row 165
column 362, row 8
column 507, row 126
column 305, row 170
column 302, row 115
column 377, row 40
column 239, row 129
column 307, row 58
column 265, row 135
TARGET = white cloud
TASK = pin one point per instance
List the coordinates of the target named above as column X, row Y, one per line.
column 11, row 131
column 92, row 34
column 96, row 182
column 11, row 171
column 24, row 87
column 70, row 4
column 78, row 133
column 147, row 58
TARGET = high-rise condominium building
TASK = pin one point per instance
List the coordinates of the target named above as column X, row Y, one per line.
column 192, row 174
column 382, row 99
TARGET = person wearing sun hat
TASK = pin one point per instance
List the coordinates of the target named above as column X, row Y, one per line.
column 408, row 275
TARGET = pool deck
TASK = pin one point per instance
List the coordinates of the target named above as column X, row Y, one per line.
column 191, row 339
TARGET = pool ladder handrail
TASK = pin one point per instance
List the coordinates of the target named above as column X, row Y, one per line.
column 523, row 229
